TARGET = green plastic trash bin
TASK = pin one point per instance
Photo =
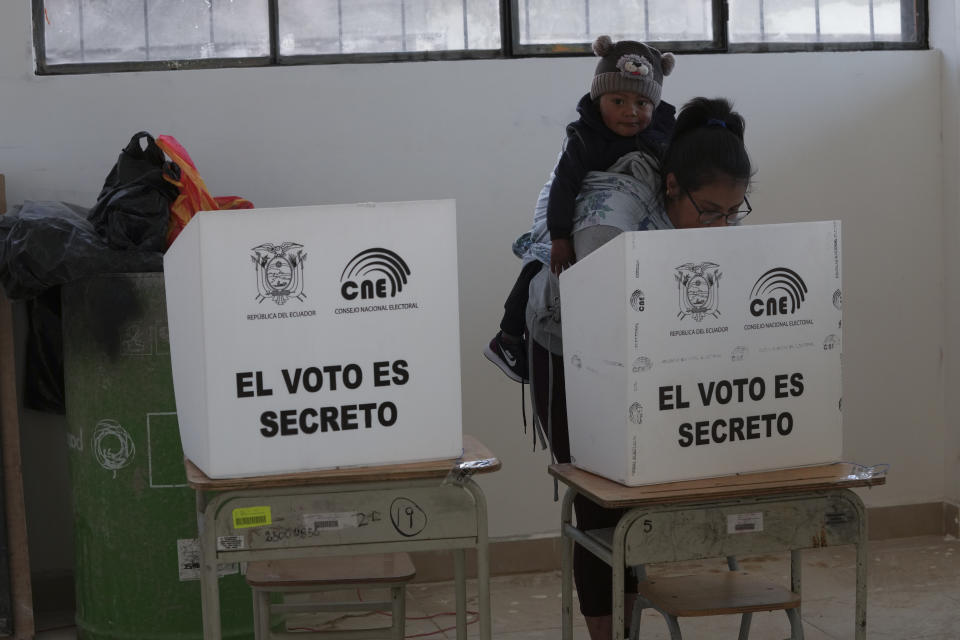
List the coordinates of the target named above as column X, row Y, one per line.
column 135, row 517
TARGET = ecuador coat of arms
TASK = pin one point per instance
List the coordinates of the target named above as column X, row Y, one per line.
column 279, row 271
column 699, row 290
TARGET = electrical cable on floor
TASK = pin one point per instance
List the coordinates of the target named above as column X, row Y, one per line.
column 326, row 625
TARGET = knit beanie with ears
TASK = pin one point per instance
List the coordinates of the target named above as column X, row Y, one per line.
column 630, row 66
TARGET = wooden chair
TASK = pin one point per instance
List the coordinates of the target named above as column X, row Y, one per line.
column 726, row 593
column 384, row 570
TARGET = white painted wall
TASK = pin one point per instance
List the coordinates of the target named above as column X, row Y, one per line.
column 944, row 33
column 854, row 136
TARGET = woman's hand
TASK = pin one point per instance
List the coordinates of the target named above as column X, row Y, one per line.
column 561, row 254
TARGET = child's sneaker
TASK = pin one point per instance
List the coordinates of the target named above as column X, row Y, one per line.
column 511, row 357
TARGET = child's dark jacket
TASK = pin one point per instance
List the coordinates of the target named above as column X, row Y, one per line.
column 591, row 146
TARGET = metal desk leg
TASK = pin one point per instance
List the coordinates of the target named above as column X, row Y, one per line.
column 261, row 608
column 860, row 631
column 619, row 569
column 796, row 585
column 796, row 624
column 483, row 586
column 618, row 595
column 745, row 621
column 460, row 589
column 483, row 560
column 566, row 566
column 209, row 585
column 861, row 612
column 399, row 600
column 256, row 612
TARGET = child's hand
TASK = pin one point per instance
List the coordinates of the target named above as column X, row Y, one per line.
column 561, row 254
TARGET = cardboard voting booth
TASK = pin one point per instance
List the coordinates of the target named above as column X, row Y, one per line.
column 316, row 337
column 704, row 352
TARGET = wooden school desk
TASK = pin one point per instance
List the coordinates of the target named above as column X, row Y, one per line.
column 766, row 512
column 404, row 507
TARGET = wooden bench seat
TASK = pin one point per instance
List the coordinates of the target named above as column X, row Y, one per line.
column 727, row 593
column 345, row 570
column 309, row 575
column 717, row 594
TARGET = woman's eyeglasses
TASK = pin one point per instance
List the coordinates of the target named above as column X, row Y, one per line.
column 709, row 217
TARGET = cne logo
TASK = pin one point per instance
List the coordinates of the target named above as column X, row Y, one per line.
column 780, row 291
column 374, row 273
column 699, row 290
column 279, row 271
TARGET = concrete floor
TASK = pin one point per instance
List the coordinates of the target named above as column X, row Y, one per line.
column 914, row 593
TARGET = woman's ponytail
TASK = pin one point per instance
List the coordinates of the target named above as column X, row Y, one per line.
column 707, row 142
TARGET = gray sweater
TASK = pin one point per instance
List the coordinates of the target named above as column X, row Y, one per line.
column 626, row 198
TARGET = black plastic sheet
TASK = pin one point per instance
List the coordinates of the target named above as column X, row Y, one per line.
column 44, row 244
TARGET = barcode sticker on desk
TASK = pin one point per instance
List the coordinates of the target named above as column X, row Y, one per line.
column 745, row 522
column 330, row 521
column 251, row 517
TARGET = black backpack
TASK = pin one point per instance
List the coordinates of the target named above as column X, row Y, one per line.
column 133, row 208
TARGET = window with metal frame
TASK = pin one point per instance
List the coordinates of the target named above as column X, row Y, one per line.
column 91, row 36
column 769, row 25
column 563, row 26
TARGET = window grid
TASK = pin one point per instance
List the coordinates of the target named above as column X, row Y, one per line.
column 583, row 47
column 914, row 32
column 586, row 16
column 340, row 24
column 83, row 49
column 763, row 21
column 816, row 17
column 403, row 25
column 914, row 37
column 146, row 27
column 146, row 30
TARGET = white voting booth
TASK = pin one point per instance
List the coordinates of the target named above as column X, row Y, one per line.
column 705, row 352
column 316, row 337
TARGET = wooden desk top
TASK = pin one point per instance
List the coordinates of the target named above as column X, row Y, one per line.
column 473, row 452
column 614, row 495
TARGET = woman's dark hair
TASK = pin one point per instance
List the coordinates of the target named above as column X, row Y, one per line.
column 707, row 143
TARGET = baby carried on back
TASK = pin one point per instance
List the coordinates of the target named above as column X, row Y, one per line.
column 624, row 197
